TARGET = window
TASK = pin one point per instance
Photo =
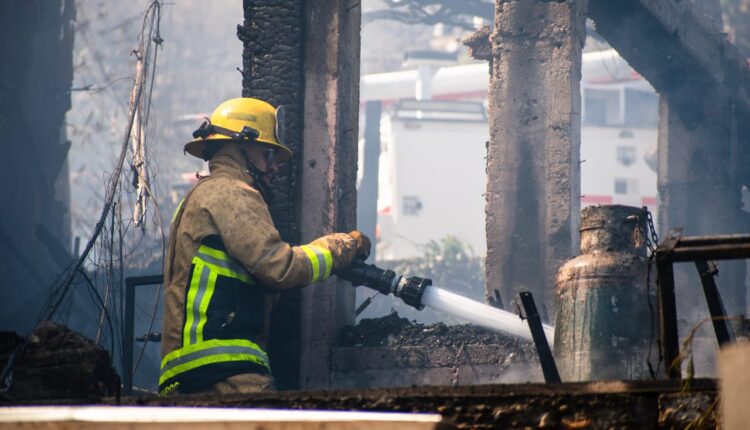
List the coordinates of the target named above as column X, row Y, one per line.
column 601, row 107
column 641, row 109
column 596, row 111
column 626, row 186
column 621, row 186
column 412, row 205
column 626, row 155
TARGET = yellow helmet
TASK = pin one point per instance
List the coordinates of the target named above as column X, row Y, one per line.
column 240, row 119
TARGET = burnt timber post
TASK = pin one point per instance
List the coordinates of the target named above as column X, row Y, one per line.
column 272, row 70
column 305, row 55
column 533, row 185
column 328, row 198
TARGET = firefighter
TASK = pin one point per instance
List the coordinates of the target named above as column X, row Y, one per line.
column 225, row 258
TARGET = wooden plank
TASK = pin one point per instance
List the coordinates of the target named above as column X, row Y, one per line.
column 167, row 418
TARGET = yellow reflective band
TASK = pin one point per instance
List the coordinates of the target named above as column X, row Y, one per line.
column 223, row 271
column 216, row 253
column 208, row 264
column 179, row 206
column 221, row 263
column 328, row 258
column 187, row 339
column 315, row 265
column 210, row 352
column 320, row 260
column 203, row 305
column 211, row 359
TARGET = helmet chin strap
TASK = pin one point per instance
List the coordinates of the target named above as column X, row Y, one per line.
column 265, row 190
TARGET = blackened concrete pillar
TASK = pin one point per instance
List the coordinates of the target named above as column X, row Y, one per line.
column 533, row 185
column 328, row 162
column 700, row 190
column 709, row 9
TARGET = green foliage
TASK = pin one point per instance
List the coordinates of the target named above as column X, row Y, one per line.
column 451, row 264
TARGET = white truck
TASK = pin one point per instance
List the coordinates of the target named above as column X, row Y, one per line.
column 432, row 179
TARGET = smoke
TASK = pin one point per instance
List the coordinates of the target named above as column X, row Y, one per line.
column 197, row 69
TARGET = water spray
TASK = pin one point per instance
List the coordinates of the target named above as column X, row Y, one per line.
column 419, row 292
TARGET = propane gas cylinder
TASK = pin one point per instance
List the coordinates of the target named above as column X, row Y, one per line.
column 605, row 316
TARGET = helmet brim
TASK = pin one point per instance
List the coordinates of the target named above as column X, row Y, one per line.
column 205, row 148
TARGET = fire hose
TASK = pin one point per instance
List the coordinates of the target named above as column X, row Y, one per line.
column 410, row 289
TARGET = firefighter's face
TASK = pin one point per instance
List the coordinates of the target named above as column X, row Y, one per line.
column 264, row 159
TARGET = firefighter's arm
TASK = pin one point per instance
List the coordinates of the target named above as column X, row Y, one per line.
column 251, row 238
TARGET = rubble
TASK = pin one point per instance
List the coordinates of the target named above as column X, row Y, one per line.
column 394, row 331
column 605, row 405
column 58, row 363
column 394, row 352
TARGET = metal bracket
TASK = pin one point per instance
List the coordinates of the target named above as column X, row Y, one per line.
column 707, row 271
column 549, row 368
column 700, row 250
column 666, row 248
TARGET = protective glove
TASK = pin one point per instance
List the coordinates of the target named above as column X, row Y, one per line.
column 363, row 245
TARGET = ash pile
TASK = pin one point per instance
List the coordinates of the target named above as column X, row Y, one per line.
column 55, row 363
column 394, row 331
column 392, row 351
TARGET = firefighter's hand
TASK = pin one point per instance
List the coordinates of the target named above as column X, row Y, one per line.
column 363, row 244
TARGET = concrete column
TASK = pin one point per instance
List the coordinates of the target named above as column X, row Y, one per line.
column 704, row 81
column 710, row 9
column 533, row 188
column 700, row 190
column 328, row 197
column 675, row 146
column 737, row 15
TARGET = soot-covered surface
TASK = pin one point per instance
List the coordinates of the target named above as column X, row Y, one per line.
column 602, row 405
column 394, row 352
column 394, row 331
column 57, row 363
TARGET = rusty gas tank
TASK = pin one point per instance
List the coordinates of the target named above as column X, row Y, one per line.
column 604, row 321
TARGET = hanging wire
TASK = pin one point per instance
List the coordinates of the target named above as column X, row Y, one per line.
column 110, row 273
column 98, row 254
column 61, row 291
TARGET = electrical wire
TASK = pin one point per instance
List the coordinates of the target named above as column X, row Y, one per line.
column 50, row 309
column 65, row 282
column 157, row 39
column 110, row 272
column 99, row 300
column 98, row 254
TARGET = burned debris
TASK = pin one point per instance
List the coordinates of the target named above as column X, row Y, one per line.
column 56, row 363
column 515, row 209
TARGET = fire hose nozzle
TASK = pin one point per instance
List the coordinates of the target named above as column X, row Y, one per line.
column 411, row 289
column 371, row 276
column 408, row 289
